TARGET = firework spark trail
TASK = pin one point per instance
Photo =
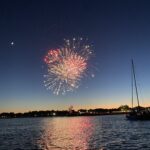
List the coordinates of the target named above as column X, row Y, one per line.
column 67, row 66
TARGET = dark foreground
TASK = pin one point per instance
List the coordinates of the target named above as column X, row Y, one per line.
column 78, row 133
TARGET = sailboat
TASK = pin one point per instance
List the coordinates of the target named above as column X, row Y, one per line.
column 137, row 113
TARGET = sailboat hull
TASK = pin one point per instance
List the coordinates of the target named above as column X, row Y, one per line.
column 138, row 116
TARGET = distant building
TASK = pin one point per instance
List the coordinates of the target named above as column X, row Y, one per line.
column 82, row 111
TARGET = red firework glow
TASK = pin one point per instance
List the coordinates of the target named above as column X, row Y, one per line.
column 66, row 66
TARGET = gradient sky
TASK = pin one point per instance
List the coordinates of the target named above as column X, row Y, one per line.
column 118, row 29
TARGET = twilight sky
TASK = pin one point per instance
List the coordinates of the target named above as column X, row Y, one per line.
column 119, row 31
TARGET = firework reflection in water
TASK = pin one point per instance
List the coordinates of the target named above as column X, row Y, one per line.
column 67, row 65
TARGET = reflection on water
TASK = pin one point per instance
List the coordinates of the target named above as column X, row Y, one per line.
column 67, row 133
column 74, row 133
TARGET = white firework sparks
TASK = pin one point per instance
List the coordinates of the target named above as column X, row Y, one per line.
column 67, row 66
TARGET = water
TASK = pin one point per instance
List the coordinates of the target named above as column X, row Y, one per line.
column 74, row 133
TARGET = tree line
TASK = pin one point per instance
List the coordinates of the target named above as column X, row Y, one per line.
column 69, row 112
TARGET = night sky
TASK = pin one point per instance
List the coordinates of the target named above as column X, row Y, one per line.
column 118, row 29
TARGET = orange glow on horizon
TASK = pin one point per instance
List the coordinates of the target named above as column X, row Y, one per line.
column 26, row 108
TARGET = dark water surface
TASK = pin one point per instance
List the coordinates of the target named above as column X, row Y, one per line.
column 74, row 133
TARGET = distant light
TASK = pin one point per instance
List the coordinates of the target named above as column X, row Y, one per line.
column 93, row 75
column 12, row 43
column 54, row 114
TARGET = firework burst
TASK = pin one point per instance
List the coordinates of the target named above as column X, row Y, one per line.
column 67, row 65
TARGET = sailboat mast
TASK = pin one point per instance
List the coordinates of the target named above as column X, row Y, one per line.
column 132, row 85
column 134, row 77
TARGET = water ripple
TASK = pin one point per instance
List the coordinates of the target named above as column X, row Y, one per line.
column 74, row 133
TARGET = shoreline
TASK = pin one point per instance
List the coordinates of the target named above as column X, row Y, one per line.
column 71, row 115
